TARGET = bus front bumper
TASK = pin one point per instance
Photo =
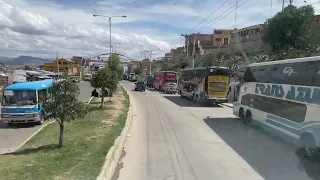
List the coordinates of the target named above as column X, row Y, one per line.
column 19, row 118
column 219, row 101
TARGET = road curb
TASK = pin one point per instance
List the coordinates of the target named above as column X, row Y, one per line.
column 228, row 105
column 115, row 151
column 28, row 139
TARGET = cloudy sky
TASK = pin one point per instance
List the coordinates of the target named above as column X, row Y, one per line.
column 43, row 27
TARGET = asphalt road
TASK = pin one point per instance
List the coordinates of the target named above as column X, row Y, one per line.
column 13, row 136
column 172, row 138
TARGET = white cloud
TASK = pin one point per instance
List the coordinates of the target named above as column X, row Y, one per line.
column 42, row 28
column 47, row 32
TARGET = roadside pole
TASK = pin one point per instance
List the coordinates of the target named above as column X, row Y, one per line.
column 57, row 59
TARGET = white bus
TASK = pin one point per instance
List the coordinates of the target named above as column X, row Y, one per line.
column 284, row 98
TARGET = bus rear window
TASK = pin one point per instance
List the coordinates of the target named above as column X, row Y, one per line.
column 170, row 74
column 219, row 72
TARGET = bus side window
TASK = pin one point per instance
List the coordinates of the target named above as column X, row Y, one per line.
column 316, row 76
column 300, row 73
column 249, row 75
column 42, row 95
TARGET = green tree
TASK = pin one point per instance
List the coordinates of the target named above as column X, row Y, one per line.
column 105, row 79
column 137, row 70
column 114, row 65
column 290, row 28
column 63, row 105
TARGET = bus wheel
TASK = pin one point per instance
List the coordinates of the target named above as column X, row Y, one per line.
column 194, row 98
column 41, row 120
column 248, row 118
column 308, row 144
column 241, row 114
column 180, row 94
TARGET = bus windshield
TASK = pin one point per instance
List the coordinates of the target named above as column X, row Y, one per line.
column 19, row 98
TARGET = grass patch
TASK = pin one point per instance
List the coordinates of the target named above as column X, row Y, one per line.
column 86, row 144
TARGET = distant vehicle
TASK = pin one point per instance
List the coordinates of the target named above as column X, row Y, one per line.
column 140, row 86
column 124, row 77
column 149, row 81
column 75, row 79
column 140, row 78
column 284, row 98
column 20, row 103
column 132, row 77
column 170, row 87
column 161, row 77
column 87, row 77
column 205, row 85
column 19, row 76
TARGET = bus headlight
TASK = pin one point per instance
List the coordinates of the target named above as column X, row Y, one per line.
column 6, row 115
column 29, row 115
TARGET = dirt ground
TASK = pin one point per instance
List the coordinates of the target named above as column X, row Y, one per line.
column 115, row 107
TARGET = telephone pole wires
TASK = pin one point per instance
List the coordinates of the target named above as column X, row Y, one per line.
column 148, row 54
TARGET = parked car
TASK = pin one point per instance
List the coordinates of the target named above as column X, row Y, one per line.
column 141, row 86
column 170, row 87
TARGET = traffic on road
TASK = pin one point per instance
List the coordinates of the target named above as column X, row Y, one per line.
column 200, row 133
column 185, row 126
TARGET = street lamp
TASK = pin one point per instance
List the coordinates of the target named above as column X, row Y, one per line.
column 110, row 17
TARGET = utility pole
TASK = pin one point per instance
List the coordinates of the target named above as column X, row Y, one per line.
column 57, row 59
column 193, row 51
column 187, row 42
column 291, row 2
column 235, row 15
column 149, row 52
column 282, row 5
column 270, row 8
column 110, row 54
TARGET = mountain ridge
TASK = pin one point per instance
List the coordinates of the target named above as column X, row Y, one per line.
column 24, row 60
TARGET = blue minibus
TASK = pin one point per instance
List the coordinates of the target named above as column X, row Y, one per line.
column 20, row 102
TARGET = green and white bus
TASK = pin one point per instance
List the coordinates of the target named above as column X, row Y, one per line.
column 284, row 98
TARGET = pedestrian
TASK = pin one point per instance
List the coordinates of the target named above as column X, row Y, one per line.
column 106, row 93
column 94, row 93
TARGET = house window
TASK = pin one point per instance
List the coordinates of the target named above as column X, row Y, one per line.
column 218, row 32
column 226, row 41
column 218, row 39
column 257, row 30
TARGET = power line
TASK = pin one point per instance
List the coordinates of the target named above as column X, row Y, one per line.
column 217, row 16
column 209, row 15
column 258, row 14
column 213, row 22
column 94, row 11
column 315, row 3
column 210, row 23
column 149, row 52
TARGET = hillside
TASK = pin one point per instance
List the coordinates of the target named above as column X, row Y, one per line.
column 24, row 60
